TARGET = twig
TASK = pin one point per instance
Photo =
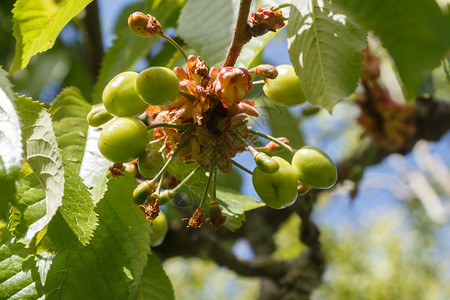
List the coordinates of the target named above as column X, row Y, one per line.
column 241, row 35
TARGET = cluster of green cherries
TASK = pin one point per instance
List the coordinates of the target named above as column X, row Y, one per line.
column 127, row 96
column 276, row 181
column 126, row 138
column 279, row 187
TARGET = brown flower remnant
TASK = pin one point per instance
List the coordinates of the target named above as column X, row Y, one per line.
column 144, row 25
column 216, row 218
column 265, row 19
column 389, row 123
column 197, row 220
column 151, row 207
column 117, row 170
column 211, row 104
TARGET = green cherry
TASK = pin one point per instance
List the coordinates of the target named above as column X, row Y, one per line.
column 285, row 89
column 157, row 85
column 120, row 97
column 123, row 140
column 278, row 189
column 314, row 167
column 158, row 229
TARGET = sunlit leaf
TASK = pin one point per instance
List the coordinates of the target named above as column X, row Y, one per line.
column 10, row 144
column 43, row 156
column 69, row 111
column 37, row 24
column 110, row 267
column 325, row 49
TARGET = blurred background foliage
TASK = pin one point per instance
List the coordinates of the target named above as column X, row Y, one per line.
column 387, row 239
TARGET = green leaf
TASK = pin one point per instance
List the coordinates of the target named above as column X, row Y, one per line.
column 129, row 48
column 94, row 166
column 414, row 32
column 69, row 111
column 110, row 267
column 10, row 145
column 64, row 189
column 17, row 272
column 43, row 264
column 233, row 205
column 77, row 208
column 325, row 50
column 30, row 205
column 155, row 284
column 43, row 156
column 37, row 24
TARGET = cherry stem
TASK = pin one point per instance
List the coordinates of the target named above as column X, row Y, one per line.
column 213, row 193
column 249, row 146
column 242, row 167
column 258, row 82
column 241, row 35
column 186, row 179
column 168, row 125
column 158, row 188
column 175, row 44
column 208, row 183
column 166, row 165
column 271, row 138
column 280, row 6
column 191, row 98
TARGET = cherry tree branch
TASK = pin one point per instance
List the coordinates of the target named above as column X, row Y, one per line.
column 241, row 35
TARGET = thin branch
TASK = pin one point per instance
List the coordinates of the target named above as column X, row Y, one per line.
column 241, row 35
column 260, row 266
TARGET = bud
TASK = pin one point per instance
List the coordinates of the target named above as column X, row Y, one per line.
column 266, row 71
column 144, row 25
column 232, row 85
column 264, row 20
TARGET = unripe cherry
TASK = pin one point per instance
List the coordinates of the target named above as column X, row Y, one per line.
column 158, row 229
column 266, row 163
column 286, row 88
column 142, row 191
column 166, row 196
column 144, row 25
column 123, row 140
column 98, row 116
column 279, row 189
column 314, row 167
column 149, row 162
column 120, row 97
column 157, row 85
